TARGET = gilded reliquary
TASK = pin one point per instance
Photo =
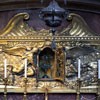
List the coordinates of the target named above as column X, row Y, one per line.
column 48, row 68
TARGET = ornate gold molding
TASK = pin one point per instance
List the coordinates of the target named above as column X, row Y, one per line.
column 19, row 41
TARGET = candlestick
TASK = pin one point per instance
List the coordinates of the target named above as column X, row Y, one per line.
column 25, row 89
column 5, row 88
column 25, row 68
column 99, row 69
column 46, row 94
column 5, row 68
column 79, row 67
column 78, row 89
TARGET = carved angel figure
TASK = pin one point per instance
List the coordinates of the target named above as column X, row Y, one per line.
column 15, row 59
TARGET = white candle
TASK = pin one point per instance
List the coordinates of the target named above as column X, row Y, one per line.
column 79, row 68
column 25, row 68
column 99, row 69
column 5, row 68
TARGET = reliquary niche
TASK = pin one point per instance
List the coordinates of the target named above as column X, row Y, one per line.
column 55, row 70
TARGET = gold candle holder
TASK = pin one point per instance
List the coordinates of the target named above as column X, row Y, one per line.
column 78, row 89
column 5, row 88
column 46, row 94
column 25, row 88
column 98, row 90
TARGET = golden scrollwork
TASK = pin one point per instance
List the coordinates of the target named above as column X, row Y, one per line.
column 78, row 27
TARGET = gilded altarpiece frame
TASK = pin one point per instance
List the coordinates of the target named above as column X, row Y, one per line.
column 19, row 41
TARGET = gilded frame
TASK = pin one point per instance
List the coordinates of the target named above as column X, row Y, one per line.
column 18, row 32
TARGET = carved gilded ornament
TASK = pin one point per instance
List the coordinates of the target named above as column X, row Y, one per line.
column 19, row 41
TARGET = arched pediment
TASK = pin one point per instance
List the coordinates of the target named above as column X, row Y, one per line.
column 18, row 26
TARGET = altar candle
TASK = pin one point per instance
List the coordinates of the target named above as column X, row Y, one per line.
column 79, row 68
column 99, row 69
column 5, row 68
column 25, row 68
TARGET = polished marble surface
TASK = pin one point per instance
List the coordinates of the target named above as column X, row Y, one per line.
column 55, row 96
